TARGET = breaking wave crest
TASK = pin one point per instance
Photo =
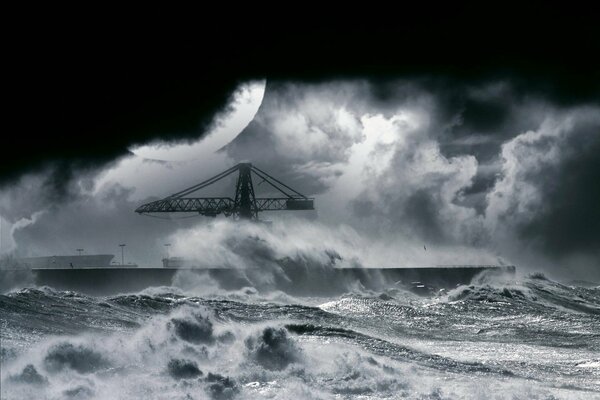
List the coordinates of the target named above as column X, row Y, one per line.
column 535, row 292
column 533, row 338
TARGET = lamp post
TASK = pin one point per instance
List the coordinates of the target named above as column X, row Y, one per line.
column 122, row 246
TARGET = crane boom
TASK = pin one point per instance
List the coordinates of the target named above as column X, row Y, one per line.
column 244, row 205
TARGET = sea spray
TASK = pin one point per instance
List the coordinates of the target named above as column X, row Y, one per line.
column 493, row 340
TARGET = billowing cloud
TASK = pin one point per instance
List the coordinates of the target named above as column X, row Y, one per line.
column 93, row 209
column 419, row 173
column 486, row 167
column 547, row 195
column 97, row 223
column 83, row 106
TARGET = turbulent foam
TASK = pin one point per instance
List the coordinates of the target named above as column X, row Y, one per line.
column 492, row 338
column 29, row 375
column 534, row 292
column 77, row 357
column 197, row 329
column 221, row 387
column 183, row 369
column 273, row 349
column 79, row 392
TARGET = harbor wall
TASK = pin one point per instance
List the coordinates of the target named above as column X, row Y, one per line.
column 295, row 280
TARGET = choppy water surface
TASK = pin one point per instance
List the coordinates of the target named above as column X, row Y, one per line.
column 526, row 339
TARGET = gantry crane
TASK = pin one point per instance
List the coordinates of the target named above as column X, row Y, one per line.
column 245, row 205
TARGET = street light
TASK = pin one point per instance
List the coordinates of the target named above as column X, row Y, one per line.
column 122, row 254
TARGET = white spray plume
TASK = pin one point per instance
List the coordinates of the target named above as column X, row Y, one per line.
column 240, row 244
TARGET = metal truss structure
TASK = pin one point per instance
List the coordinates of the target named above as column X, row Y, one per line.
column 244, row 205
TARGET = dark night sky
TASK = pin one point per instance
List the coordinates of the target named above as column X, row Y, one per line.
column 86, row 90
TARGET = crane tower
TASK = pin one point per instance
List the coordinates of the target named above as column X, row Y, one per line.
column 244, row 205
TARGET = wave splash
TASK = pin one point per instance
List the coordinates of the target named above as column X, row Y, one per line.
column 494, row 337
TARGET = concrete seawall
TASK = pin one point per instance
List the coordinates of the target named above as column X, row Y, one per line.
column 297, row 280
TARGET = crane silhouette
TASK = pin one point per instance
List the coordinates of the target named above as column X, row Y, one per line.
column 244, row 205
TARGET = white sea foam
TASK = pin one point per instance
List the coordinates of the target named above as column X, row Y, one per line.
column 198, row 351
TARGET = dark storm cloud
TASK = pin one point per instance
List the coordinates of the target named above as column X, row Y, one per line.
column 569, row 220
column 87, row 91
column 487, row 165
column 33, row 193
column 306, row 133
column 299, row 126
column 81, row 125
column 97, row 223
column 545, row 201
column 469, row 175
column 418, row 213
column 426, row 173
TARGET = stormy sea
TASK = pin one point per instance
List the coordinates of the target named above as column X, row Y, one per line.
column 501, row 337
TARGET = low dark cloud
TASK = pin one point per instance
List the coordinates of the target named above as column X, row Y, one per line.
column 98, row 223
column 568, row 221
column 86, row 91
column 486, row 167
column 406, row 171
column 455, row 111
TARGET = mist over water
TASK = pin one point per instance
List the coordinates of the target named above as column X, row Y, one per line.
column 239, row 244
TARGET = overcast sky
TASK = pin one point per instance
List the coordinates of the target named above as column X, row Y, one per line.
column 470, row 132
column 483, row 174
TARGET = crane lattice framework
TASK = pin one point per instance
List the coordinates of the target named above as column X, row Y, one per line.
column 245, row 204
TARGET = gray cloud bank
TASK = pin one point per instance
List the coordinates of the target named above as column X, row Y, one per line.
column 488, row 166
column 484, row 169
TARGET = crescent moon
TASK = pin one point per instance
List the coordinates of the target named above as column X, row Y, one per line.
column 245, row 103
